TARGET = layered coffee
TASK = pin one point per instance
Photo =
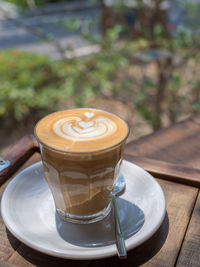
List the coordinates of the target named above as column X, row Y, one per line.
column 82, row 153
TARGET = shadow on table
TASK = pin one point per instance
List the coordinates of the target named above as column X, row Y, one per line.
column 131, row 216
column 136, row 257
column 35, row 258
column 142, row 253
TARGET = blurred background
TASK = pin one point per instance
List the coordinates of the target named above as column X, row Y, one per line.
column 137, row 58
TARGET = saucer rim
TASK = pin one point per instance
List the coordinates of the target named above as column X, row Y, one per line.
column 95, row 252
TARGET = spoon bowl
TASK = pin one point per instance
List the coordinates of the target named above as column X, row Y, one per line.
column 119, row 186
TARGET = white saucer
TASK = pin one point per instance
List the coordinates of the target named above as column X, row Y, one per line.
column 28, row 211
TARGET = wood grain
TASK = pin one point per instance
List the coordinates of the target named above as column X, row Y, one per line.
column 179, row 208
column 6, row 264
column 162, row 249
column 6, row 249
column 17, row 155
column 190, row 252
column 176, row 144
column 27, row 257
column 166, row 170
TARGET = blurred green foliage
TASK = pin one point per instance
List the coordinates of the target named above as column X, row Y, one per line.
column 29, row 83
column 172, row 48
column 35, row 85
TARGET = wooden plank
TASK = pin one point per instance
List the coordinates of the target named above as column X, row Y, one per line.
column 6, row 264
column 163, row 247
column 177, row 144
column 190, row 252
column 17, row 155
column 8, row 243
column 167, row 170
column 27, row 257
column 33, row 159
column 179, row 207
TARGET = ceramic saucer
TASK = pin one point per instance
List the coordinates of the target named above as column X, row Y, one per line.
column 28, row 210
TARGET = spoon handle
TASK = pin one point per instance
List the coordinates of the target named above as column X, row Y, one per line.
column 121, row 248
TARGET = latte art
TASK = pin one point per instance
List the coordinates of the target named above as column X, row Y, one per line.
column 76, row 129
column 81, row 130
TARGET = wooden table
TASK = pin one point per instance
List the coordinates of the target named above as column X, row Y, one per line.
column 172, row 155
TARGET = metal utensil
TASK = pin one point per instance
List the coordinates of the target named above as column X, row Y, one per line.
column 118, row 188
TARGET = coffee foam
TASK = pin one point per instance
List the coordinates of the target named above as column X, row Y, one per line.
column 81, row 130
column 77, row 129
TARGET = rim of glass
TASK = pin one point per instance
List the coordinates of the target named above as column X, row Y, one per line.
column 82, row 152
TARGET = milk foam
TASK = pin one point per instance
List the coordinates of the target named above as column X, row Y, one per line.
column 89, row 128
column 81, row 130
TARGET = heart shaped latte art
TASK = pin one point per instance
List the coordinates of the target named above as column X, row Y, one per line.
column 77, row 129
column 85, row 124
column 89, row 114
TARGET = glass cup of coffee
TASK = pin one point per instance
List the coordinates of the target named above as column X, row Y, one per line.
column 81, row 154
